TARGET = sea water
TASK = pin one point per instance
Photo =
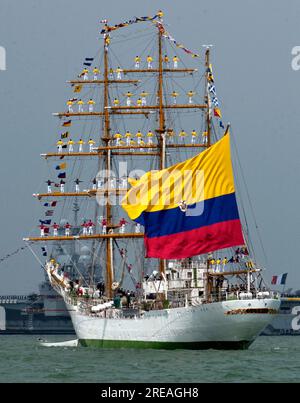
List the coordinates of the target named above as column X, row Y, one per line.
column 269, row 359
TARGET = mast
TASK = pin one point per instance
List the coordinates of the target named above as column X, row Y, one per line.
column 161, row 130
column 208, row 129
column 207, row 98
column 75, row 210
column 106, row 139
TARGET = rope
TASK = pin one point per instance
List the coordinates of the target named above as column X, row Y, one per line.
column 9, row 255
column 249, row 199
column 36, row 256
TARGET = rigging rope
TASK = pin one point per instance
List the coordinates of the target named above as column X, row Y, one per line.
column 249, row 199
column 15, row 252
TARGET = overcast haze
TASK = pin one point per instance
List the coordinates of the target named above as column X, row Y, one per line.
column 46, row 40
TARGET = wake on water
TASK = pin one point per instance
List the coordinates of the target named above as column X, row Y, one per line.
column 68, row 343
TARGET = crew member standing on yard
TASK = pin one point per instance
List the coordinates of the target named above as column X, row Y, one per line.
column 218, row 262
column 104, row 225
column 128, row 98
column 190, row 96
column 85, row 74
column 149, row 62
column 123, row 222
column 62, row 186
column 137, row 61
column 91, row 144
column 224, row 263
column 90, row 225
column 116, row 102
column 166, row 61
column 70, row 144
column 194, row 136
column 96, row 71
column 139, row 137
column 91, row 104
column 174, row 95
column 144, row 97
column 182, row 135
column 128, row 136
column 55, row 229
column 118, row 137
column 67, row 229
column 59, row 144
column 150, row 139
column 80, row 104
column 77, row 181
column 119, row 73
column 80, row 143
column 84, row 228
column 175, row 62
column 140, row 141
column 49, row 183
column 43, row 229
column 70, row 106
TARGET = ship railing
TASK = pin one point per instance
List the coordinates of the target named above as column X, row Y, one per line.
column 233, row 268
column 194, row 265
column 253, row 294
column 224, row 295
column 135, row 308
column 70, row 300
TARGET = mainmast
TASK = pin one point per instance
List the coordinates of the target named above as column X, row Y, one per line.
column 162, row 129
column 106, row 139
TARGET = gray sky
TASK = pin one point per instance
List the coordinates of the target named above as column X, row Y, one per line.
column 258, row 89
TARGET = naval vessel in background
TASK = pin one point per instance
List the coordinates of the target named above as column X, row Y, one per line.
column 45, row 312
column 37, row 313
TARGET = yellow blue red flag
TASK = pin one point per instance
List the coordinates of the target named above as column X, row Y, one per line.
column 189, row 208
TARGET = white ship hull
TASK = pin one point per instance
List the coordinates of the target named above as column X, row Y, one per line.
column 214, row 325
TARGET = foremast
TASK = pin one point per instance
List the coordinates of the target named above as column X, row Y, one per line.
column 106, row 139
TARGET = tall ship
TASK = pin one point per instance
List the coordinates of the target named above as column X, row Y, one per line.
column 148, row 161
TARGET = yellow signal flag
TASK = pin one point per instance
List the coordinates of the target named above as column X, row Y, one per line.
column 78, row 88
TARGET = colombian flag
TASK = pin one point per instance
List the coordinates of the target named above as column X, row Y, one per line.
column 189, row 208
